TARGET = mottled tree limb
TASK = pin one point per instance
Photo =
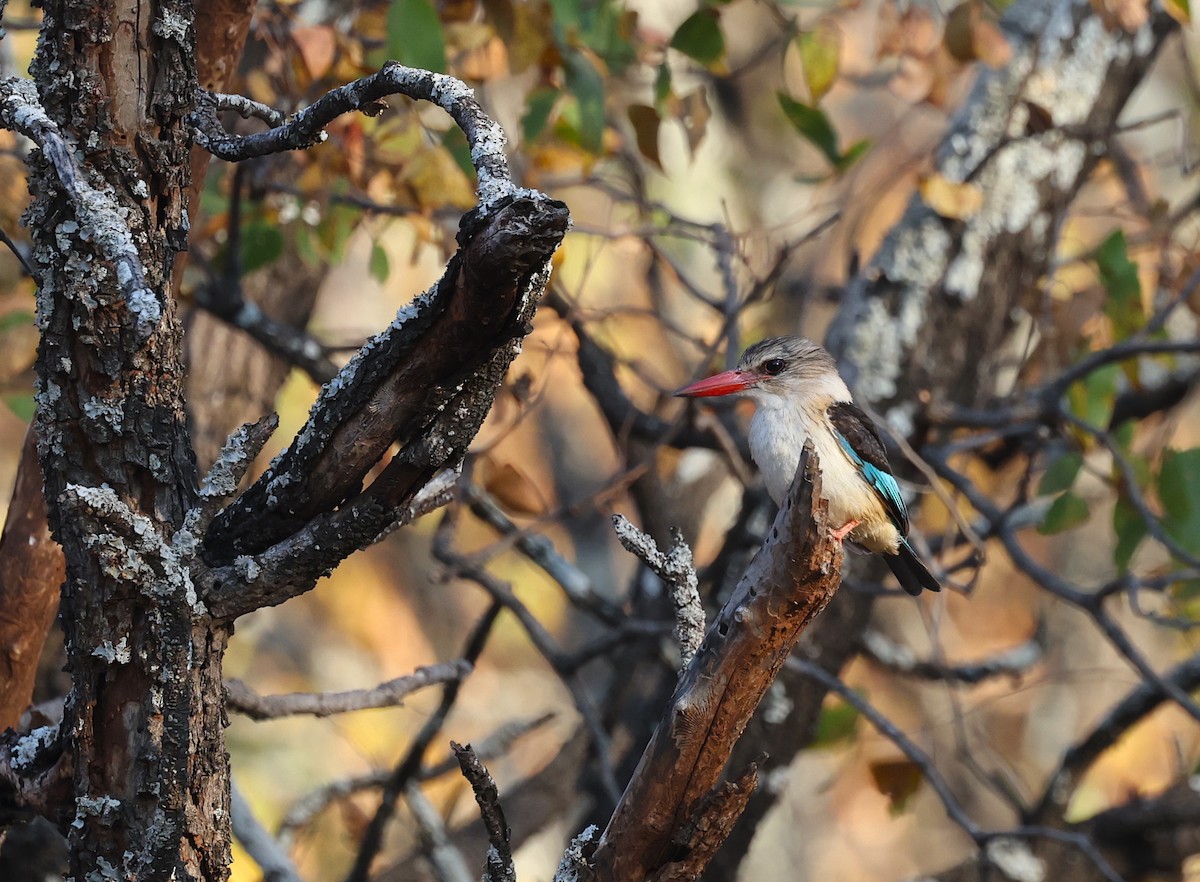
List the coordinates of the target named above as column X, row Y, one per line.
column 426, row 382
column 306, row 128
column 96, row 209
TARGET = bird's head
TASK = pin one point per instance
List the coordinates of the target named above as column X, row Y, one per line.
column 774, row 372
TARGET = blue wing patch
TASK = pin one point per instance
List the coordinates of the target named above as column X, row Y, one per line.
column 882, row 483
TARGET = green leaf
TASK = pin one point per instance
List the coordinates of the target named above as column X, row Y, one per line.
column 378, row 265
column 414, row 35
column 1092, row 400
column 262, row 244
column 700, row 37
column 22, row 406
column 1130, row 529
column 1060, row 474
column 1065, row 512
column 812, row 125
column 857, row 149
column 835, row 724
column 820, row 55
column 1179, row 492
column 15, row 319
column 585, row 83
column 537, row 112
column 1119, row 276
column 662, row 84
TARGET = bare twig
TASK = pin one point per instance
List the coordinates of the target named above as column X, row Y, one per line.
column 1130, row 710
column 678, row 573
column 448, row 863
column 248, row 108
column 306, row 809
column 499, row 857
column 1011, row 662
column 403, row 776
column 241, row 698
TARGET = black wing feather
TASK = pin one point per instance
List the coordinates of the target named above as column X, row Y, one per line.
column 866, row 442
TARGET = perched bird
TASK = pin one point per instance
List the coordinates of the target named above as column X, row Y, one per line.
column 801, row 397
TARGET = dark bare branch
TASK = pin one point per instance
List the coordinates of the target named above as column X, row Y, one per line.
column 499, row 857
column 241, row 698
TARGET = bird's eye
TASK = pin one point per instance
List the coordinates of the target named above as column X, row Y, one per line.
column 774, row 366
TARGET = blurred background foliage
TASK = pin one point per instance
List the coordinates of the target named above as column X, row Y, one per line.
column 726, row 165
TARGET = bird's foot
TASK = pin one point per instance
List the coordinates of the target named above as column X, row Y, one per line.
column 840, row 535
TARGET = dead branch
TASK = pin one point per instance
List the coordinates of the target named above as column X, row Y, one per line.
column 672, row 791
column 499, row 857
column 241, row 698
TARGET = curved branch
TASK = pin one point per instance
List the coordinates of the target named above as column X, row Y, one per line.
column 306, row 128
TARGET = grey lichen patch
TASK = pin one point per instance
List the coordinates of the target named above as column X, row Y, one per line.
column 113, row 654
column 247, row 568
column 573, row 861
column 103, row 807
column 129, row 548
column 107, row 412
column 27, row 752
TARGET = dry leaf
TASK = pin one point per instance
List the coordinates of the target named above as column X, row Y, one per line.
column 645, row 123
column 512, row 489
column 951, row 199
column 898, row 780
column 316, row 46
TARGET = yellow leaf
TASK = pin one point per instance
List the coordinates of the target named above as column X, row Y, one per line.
column 436, row 180
column 820, row 55
column 950, row 199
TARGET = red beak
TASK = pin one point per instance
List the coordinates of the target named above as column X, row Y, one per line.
column 725, row 383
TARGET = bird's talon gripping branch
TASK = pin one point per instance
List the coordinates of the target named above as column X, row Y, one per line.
column 841, row 533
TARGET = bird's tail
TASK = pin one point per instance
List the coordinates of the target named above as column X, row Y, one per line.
column 909, row 571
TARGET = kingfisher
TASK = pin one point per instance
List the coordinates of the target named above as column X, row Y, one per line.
column 800, row 397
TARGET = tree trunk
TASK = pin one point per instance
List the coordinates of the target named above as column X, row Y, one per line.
column 144, row 722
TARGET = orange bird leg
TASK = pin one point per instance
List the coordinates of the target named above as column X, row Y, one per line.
column 840, row 535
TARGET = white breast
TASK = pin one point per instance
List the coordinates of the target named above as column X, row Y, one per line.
column 778, row 434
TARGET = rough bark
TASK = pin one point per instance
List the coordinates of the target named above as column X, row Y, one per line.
column 144, row 722
column 676, row 789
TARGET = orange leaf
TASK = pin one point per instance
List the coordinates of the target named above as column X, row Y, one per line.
column 316, row 45
column 513, row 489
